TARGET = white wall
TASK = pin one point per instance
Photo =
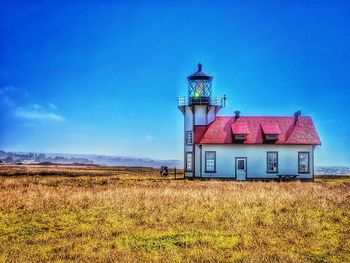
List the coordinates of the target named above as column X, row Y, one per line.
column 200, row 113
column 256, row 159
column 201, row 116
column 211, row 114
column 188, row 119
column 188, row 126
column 197, row 158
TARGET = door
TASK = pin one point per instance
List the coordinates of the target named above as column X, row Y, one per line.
column 241, row 168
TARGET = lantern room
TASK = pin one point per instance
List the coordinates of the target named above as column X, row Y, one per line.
column 199, row 84
column 200, row 91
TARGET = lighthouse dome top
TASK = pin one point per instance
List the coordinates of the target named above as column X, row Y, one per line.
column 200, row 74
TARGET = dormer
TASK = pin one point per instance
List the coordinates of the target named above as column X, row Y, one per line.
column 239, row 132
column 270, row 131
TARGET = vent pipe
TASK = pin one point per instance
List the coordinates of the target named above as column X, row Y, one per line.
column 237, row 113
column 296, row 116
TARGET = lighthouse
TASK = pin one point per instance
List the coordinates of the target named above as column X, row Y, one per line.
column 199, row 109
column 273, row 147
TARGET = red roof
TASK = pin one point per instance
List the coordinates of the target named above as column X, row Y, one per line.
column 220, row 130
column 239, row 128
column 270, row 128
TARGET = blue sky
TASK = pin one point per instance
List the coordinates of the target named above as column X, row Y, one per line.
column 103, row 77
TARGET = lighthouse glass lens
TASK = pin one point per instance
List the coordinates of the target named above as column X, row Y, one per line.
column 200, row 89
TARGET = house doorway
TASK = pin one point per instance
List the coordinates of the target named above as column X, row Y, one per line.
column 241, row 168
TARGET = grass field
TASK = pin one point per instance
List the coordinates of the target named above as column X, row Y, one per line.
column 133, row 215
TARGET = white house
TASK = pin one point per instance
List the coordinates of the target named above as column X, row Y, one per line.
column 242, row 147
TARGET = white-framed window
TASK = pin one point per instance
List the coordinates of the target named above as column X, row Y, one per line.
column 272, row 162
column 189, row 161
column 304, row 162
column 210, row 161
column 189, row 137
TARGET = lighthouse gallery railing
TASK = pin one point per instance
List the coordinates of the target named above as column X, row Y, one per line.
column 215, row 101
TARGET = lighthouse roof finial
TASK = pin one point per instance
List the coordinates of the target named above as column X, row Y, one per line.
column 200, row 74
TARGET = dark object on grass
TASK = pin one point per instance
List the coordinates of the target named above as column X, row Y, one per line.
column 164, row 170
column 287, row 177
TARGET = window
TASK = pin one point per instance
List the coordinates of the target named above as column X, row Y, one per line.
column 189, row 136
column 241, row 164
column 189, row 162
column 271, row 137
column 272, row 162
column 304, row 162
column 240, row 136
column 210, row 162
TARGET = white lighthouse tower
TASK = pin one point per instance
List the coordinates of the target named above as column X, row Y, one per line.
column 199, row 108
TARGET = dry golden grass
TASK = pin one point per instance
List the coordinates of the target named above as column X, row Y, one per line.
column 131, row 214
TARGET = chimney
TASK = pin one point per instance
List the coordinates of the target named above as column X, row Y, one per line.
column 296, row 116
column 237, row 113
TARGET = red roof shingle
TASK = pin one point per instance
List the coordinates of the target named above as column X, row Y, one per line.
column 270, row 128
column 219, row 131
column 240, row 128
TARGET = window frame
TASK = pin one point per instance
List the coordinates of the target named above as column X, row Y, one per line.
column 186, row 162
column 205, row 162
column 308, row 163
column 240, row 137
column 271, row 137
column 267, row 162
column 186, row 136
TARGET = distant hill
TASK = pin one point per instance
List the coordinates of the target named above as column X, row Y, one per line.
column 59, row 158
column 332, row 170
column 94, row 159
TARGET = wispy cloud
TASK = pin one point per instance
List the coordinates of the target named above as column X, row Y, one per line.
column 38, row 112
column 5, row 89
column 34, row 115
column 52, row 106
column 30, row 112
column 37, row 106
